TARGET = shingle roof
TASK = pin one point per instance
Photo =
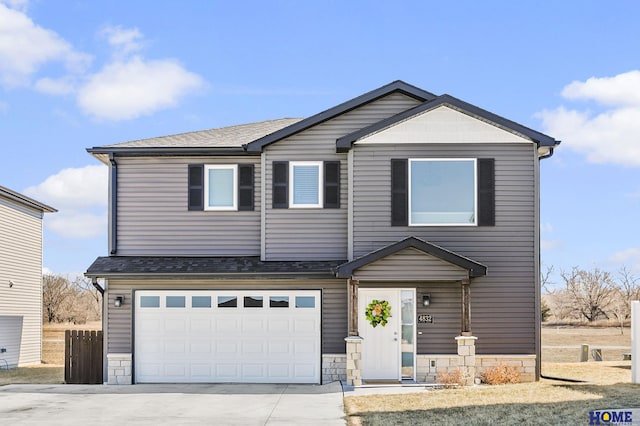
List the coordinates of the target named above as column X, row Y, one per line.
column 475, row 269
column 26, row 201
column 222, row 137
column 210, row 267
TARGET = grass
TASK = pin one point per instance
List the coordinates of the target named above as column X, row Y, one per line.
column 37, row 374
column 541, row 403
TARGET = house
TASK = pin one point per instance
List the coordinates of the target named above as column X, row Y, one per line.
column 20, row 278
column 267, row 252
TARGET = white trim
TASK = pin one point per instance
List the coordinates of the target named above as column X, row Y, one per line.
column 233, row 167
column 475, row 191
column 320, row 203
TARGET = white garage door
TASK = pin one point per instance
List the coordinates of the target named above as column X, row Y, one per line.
column 227, row 336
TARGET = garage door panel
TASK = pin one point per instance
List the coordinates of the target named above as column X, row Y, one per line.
column 227, row 336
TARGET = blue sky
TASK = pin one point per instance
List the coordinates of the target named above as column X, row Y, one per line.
column 76, row 74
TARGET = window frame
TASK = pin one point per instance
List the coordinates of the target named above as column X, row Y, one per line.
column 319, row 165
column 208, row 167
column 474, row 161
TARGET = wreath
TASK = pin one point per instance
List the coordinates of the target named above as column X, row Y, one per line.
column 378, row 312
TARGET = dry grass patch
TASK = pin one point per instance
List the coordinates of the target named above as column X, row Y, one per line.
column 545, row 402
column 37, row 374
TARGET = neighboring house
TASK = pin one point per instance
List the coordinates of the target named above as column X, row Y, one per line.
column 249, row 253
column 20, row 278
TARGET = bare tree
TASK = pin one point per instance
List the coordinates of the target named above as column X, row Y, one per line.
column 69, row 301
column 55, row 291
column 545, row 279
column 626, row 289
column 589, row 292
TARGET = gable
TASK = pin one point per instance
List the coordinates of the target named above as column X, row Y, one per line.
column 443, row 124
column 411, row 264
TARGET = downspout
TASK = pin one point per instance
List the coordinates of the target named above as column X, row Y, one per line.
column 548, row 155
column 113, row 202
column 98, row 287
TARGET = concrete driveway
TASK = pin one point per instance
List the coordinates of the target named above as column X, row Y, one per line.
column 192, row 404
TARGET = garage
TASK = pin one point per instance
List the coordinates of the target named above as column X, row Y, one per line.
column 227, row 336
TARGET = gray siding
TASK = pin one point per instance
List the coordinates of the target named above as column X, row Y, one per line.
column 437, row 338
column 410, row 264
column 318, row 234
column 334, row 308
column 153, row 219
column 503, row 302
column 21, row 262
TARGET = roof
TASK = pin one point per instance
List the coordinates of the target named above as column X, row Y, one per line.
column 231, row 138
column 25, row 201
column 397, row 86
column 345, row 143
column 475, row 269
column 207, row 267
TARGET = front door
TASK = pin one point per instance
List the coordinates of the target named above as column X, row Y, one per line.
column 381, row 344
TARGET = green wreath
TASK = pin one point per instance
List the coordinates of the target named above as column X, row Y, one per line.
column 378, row 312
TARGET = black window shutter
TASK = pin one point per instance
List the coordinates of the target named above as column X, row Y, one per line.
column 280, row 184
column 331, row 184
column 399, row 192
column 486, row 192
column 245, row 187
column 196, row 187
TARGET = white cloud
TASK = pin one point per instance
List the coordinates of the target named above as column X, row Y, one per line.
column 74, row 224
column 25, row 47
column 608, row 136
column 546, row 227
column 52, row 86
column 80, row 195
column 124, row 40
column 547, row 245
column 629, row 257
column 136, row 87
column 21, row 5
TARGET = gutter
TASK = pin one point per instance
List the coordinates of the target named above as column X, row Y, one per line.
column 98, row 287
column 113, row 197
column 548, row 155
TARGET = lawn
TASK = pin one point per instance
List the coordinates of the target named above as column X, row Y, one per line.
column 38, row 374
column 545, row 402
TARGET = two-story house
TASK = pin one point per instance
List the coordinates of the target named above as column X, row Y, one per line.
column 20, row 278
column 388, row 238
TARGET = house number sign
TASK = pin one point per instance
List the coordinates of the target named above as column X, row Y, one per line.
column 425, row 319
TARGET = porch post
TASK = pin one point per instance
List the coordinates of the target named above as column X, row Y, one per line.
column 353, row 306
column 466, row 308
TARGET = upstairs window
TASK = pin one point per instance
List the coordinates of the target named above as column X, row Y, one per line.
column 442, row 192
column 305, row 186
column 221, row 187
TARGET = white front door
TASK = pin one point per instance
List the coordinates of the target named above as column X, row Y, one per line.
column 381, row 344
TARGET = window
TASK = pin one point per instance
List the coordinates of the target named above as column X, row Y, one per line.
column 442, row 192
column 175, row 301
column 200, row 301
column 278, row 301
column 220, row 187
column 305, row 187
column 305, row 302
column 253, row 301
column 149, row 301
column 227, row 302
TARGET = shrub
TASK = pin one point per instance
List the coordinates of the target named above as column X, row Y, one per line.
column 451, row 378
column 501, row 374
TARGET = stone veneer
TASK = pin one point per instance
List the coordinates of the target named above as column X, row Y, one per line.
column 334, row 367
column 119, row 369
column 525, row 363
column 354, row 360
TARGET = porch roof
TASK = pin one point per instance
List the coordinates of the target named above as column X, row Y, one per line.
column 475, row 269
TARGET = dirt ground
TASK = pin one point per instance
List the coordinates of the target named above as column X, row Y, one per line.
column 563, row 343
column 53, row 340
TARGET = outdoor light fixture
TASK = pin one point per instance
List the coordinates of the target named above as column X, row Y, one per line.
column 119, row 301
column 426, row 299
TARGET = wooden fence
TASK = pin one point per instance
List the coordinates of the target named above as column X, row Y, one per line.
column 83, row 357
